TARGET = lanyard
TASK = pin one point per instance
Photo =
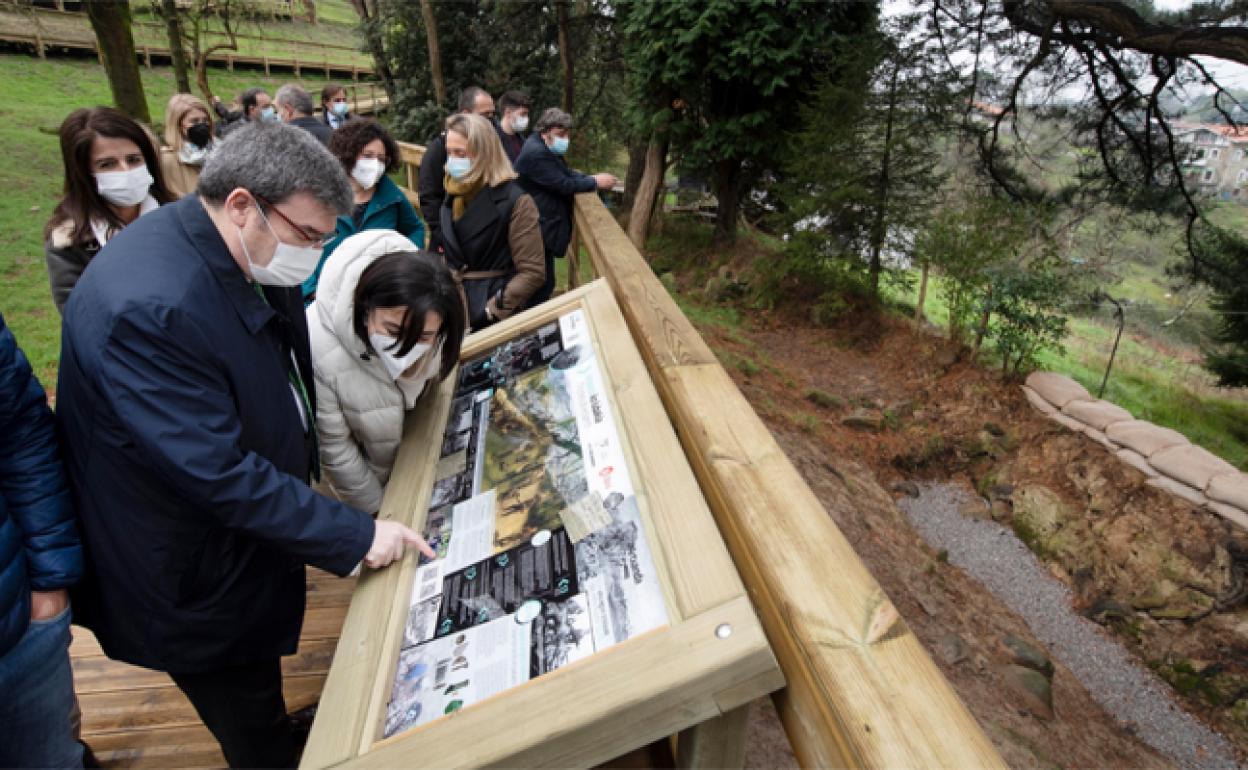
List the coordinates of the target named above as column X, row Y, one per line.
column 301, row 392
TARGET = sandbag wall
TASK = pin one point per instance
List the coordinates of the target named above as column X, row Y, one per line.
column 1165, row 456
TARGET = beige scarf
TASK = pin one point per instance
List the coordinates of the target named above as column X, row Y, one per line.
column 464, row 192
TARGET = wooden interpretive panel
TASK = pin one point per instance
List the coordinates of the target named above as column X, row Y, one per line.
column 582, row 604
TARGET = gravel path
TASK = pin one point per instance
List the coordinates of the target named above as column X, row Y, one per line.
column 993, row 555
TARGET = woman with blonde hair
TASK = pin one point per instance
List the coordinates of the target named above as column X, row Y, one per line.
column 491, row 236
column 188, row 141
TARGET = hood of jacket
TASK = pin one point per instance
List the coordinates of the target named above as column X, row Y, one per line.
column 335, row 293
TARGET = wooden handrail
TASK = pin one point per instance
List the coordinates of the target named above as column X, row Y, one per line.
column 862, row 691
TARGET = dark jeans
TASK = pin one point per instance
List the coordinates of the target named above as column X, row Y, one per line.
column 37, row 699
column 246, row 712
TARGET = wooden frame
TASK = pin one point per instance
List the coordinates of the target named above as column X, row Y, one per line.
column 710, row 661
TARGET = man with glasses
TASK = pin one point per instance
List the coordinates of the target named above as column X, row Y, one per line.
column 187, row 406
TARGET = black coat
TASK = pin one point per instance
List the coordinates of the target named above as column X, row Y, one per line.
column 187, row 455
column 315, row 127
column 546, row 177
column 432, row 189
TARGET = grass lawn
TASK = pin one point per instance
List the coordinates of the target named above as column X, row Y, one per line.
column 40, row 95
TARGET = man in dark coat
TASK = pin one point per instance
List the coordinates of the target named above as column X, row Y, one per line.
column 40, row 557
column 545, row 175
column 294, row 107
column 188, row 412
column 513, row 122
column 433, row 165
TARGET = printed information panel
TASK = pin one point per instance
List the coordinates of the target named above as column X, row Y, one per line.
column 542, row 555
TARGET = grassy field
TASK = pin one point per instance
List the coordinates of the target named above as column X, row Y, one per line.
column 40, row 95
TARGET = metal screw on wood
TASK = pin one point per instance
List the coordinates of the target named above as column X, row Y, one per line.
column 723, row 630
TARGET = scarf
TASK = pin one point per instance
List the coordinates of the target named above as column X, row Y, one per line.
column 463, row 192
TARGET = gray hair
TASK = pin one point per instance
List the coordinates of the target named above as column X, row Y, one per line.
column 275, row 161
column 553, row 117
column 468, row 98
column 294, row 97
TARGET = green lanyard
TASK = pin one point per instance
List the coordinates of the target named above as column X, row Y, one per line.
column 296, row 382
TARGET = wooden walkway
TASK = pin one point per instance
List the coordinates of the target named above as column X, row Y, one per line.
column 132, row 717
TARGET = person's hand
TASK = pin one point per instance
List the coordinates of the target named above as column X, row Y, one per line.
column 216, row 99
column 390, row 541
column 48, row 604
column 482, row 320
column 605, row 181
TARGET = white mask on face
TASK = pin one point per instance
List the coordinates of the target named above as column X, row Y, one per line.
column 290, row 265
column 367, row 172
column 520, row 122
column 124, row 188
column 394, row 363
column 192, row 155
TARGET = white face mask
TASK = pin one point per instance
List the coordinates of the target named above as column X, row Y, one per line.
column 290, row 265
column 367, row 171
column 124, row 188
column 520, row 122
column 394, row 363
column 192, row 155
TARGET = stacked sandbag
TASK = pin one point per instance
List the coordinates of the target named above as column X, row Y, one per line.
column 1166, row 457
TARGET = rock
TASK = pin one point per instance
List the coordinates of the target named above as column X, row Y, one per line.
column 906, row 487
column 1001, row 491
column 947, row 355
column 1025, row 654
column 1000, row 510
column 1039, row 514
column 1034, row 689
column 862, row 419
column 951, row 649
column 716, row 289
column 1108, row 609
column 974, row 509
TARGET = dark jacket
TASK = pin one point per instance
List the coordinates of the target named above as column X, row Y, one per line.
column 39, row 549
column 314, row 127
column 498, row 233
column 546, row 177
column 66, row 262
column 432, row 188
column 388, row 209
column 512, row 143
column 187, row 454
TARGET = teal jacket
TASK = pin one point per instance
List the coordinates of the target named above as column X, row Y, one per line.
column 388, row 210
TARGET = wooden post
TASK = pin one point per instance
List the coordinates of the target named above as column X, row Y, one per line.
column 39, row 45
column 574, row 260
column 229, row 62
column 266, row 65
column 355, row 73
column 716, row 743
column 147, row 57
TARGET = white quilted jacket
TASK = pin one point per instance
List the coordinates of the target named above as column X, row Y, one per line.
column 359, row 409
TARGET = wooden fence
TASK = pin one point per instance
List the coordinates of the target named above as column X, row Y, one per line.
column 862, row 691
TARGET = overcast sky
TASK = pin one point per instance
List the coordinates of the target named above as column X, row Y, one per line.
column 1229, row 74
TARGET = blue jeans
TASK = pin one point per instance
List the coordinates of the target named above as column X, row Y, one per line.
column 38, row 699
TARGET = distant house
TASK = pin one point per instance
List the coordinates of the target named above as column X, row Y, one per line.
column 1215, row 163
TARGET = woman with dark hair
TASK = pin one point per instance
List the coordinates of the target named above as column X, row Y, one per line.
column 367, row 152
column 387, row 322
column 112, row 177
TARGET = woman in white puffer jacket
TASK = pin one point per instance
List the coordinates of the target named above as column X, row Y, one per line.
column 387, row 320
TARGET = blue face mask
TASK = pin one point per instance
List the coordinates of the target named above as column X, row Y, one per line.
column 560, row 145
column 340, row 108
column 458, row 168
column 269, row 114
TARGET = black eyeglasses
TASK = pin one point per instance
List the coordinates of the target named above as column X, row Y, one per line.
column 306, row 233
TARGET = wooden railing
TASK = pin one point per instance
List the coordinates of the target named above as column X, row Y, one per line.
column 862, row 691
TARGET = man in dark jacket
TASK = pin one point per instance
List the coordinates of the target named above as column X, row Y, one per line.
column 40, row 557
column 188, row 411
column 432, row 165
column 513, row 122
column 295, row 108
column 545, row 175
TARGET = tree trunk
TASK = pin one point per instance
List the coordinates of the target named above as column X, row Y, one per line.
column 177, row 49
column 647, row 192
column 435, row 54
column 984, row 317
column 636, row 167
column 565, row 52
column 918, row 306
column 111, row 23
column 728, row 198
column 879, row 227
column 376, row 45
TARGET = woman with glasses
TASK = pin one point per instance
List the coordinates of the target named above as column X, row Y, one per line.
column 386, row 324
column 112, row 177
column 367, row 152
